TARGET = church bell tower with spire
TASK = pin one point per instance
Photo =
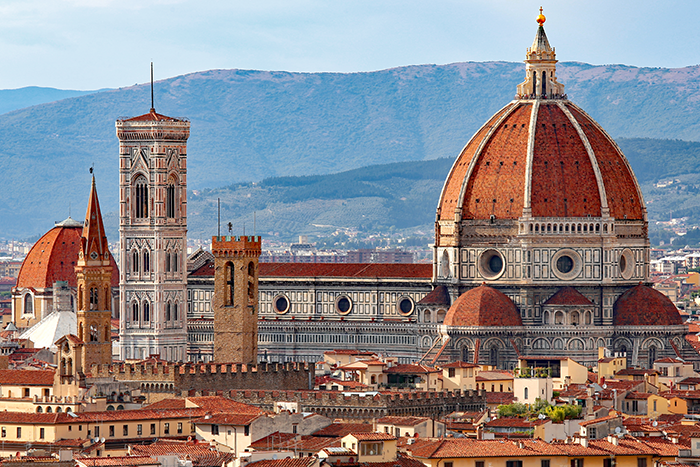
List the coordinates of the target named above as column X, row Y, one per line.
column 94, row 277
column 153, row 235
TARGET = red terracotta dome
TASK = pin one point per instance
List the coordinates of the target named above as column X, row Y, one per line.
column 54, row 256
column 554, row 160
column 483, row 306
column 645, row 306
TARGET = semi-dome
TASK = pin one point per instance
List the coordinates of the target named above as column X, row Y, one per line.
column 645, row 306
column 483, row 306
column 54, row 256
column 541, row 156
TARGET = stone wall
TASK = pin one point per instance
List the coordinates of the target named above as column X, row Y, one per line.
column 354, row 407
column 174, row 379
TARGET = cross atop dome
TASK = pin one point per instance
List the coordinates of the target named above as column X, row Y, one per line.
column 540, row 59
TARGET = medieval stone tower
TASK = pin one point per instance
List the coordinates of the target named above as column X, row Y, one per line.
column 153, row 236
column 236, row 298
column 94, row 277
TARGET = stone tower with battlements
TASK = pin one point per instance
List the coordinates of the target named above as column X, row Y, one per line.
column 94, row 276
column 236, row 298
column 153, row 236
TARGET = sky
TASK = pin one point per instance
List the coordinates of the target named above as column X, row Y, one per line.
column 94, row 44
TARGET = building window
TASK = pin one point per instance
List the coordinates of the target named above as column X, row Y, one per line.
column 139, row 429
column 19, row 432
column 135, row 261
column 371, row 449
column 641, row 462
column 448, row 464
column 111, row 431
column 167, row 311
column 451, row 372
column 592, row 433
column 135, row 312
column 230, row 282
column 170, row 199
column 153, row 428
column 175, row 311
column 3, row 432
column 215, row 429
column 146, row 261
column 479, row 464
column 179, row 428
column 125, row 430
column 141, row 198
column 26, row 392
column 514, row 463
column 97, row 431
column 146, row 311
column 28, row 304
column 576, row 462
column 41, row 433
column 609, row 462
column 166, row 428
column 544, row 463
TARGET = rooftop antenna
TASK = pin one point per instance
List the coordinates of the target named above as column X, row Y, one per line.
column 230, row 227
column 153, row 107
column 218, row 201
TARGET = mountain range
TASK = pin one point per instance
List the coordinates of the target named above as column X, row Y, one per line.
column 254, row 125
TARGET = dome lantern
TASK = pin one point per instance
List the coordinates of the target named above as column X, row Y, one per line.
column 540, row 69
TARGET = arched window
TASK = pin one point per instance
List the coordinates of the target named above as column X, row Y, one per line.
column 251, row 269
column 427, row 317
column 652, row 356
column 175, row 311
column 146, row 261
column 135, row 312
column 466, row 357
column 558, row 317
column 135, row 261
column 70, row 366
column 39, row 409
column 167, row 261
column 167, row 311
column 525, row 393
column 94, row 298
column 141, row 197
column 107, row 334
column 146, row 311
column 93, row 333
column 175, row 261
column 170, row 199
column 544, row 83
column 49, row 410
column 28, row 304
column 493, row 356
column 230, row 282
column 575, row 318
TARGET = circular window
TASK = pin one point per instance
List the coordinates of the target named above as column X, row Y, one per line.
column 281, row 304
column 566, row 264
column 405, row 306
column 491, row 264
column 626, row 264
column 343, row 305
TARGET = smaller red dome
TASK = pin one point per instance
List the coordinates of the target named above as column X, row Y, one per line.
column 483, row 306
column 645, row 306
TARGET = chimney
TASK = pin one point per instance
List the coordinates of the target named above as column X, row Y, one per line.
column 614, row 440
column 583, row 441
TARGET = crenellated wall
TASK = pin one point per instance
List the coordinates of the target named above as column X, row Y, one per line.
column 367, row 406
column 168, row 378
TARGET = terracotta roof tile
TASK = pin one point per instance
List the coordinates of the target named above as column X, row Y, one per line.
column 373, row 436
column 568, row 296
column 403, row 421
column 645, row 306
column 341, row 429
column 483, row 306
column 289, row 462
column 26, row 377
column 438, row 296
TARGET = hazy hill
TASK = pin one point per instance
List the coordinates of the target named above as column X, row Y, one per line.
column 13, row 99
column 251, row 125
